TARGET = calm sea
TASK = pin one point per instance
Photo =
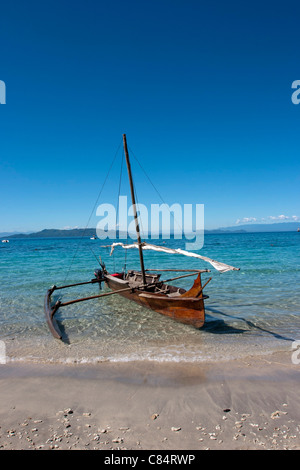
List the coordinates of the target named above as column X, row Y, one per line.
column 252, row 311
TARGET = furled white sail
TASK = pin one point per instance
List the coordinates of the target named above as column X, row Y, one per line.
column 221, row 267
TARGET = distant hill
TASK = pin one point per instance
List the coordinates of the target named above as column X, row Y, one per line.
column 91, row 232
column 226, row 230
column 57, row 233
column 274, row 227
column 7, row 234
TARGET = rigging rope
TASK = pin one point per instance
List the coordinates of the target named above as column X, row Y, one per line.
column 152, row 184
column 98, row 197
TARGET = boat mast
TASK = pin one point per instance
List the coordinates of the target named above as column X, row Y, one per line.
column 137, row 227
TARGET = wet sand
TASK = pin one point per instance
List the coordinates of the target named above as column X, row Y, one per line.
column 247, row 404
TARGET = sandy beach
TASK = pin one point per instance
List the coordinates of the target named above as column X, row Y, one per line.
column 248, row 404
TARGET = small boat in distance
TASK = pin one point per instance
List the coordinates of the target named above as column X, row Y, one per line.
column 5, row 241
column 145, row 287
column 93, row 238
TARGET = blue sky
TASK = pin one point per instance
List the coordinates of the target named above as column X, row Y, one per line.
column 202, row 90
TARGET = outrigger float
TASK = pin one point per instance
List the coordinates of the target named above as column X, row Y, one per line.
column 145, row 286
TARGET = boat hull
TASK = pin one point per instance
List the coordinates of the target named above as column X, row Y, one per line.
column 187, row 308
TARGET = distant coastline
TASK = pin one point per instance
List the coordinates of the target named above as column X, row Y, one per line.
column 91, row 232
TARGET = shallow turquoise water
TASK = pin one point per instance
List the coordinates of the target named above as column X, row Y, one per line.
column 252, row 311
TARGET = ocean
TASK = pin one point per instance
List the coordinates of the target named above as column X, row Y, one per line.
column 254, row 311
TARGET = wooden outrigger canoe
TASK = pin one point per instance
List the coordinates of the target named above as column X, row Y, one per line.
column 183, row 306
column 143, row 287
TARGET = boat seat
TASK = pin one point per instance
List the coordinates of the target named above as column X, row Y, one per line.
column 163, row 290
column 135, row 278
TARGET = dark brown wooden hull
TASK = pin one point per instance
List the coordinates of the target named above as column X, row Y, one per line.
column 187, row 308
